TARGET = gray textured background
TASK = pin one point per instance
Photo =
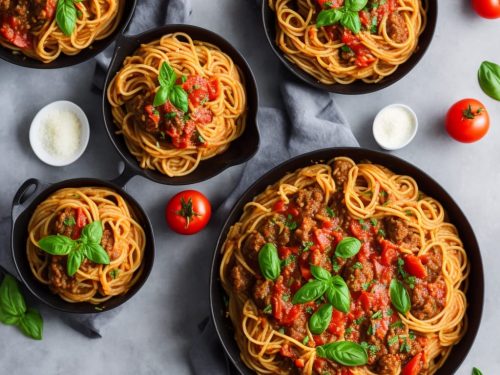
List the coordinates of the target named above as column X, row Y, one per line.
column 153, row 332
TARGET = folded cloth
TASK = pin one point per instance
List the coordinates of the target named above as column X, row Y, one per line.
column 312, row 121
column 148, row 14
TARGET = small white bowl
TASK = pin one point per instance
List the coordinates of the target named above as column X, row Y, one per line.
column 404, row 138
column 39, row 121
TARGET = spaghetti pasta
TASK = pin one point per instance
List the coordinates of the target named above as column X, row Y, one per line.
column 334, row 54
column 30, row 27
column 404, row 235
column 65, row 213
column 165, row 137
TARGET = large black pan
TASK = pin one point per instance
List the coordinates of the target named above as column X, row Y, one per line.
column 31, row 193
column 357, row 87
column 475, row 292
column 239, row 150
column 84, row 55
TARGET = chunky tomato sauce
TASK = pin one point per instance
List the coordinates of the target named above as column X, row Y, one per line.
column 169, row 123
column 306, row 232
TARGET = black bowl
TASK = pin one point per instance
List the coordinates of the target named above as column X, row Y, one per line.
column 475, row 292
column 239, row 151
column 358, row 86
column 28, row 197
column 65, row 60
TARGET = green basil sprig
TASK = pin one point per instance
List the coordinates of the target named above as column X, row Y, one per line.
column 66, row 15
column 400, row 297
column 269, row 262
column 489, row 79
column 169, row 90
column 335, row 288
column 346, row 353
column 321, row 319
column 87, row 246
column 13, row 310
column 347, row 15
column 348, row 247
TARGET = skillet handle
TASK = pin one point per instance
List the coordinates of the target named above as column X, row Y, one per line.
column 23, row 196
column 124, row 177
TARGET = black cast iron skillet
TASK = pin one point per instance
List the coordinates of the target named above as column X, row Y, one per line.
column 358, row 86
column 86, row 54
column 239, row 151
column 475, row 292
column 31, row 193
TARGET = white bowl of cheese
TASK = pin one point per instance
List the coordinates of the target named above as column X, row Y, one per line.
column 59, row 133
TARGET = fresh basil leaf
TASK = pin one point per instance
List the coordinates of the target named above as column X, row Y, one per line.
column 348, row 247
column 161, row 96
column 489, row 79
column 321, row 319
column 320, row 273
column 476, row 371
column 96, row 253
column 310, row 291
column 329, row 17
column 70, row 221
column 8, row 319
column 338, row 294
column 399, row 297
column 355, row 5
column 346, row 353
column 351, row 21
column 179, row 98
column 93, row 232
column 167, row 76
column 31, row 324
column 66, row 16
column 74, row 261
column 11, row 300
column 269, row 262
column 57, row 245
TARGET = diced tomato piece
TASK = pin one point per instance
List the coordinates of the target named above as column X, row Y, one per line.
column 327, row 224
column 299, row 363
column 279, row 206
column 202, row 115
column 357, row 230
column 389, row 252
column 305, row 270
column 213, row 89
column 277, row 305
column 292, row 315
column 337, row 324
column 319, row 363
column 365, row 301
column 284, row 252
column 364, row 252
column 379, row 297
column 414, row 266
column 382, row 327
column 322, row 239
column 292, row 210
column 285, row 351
column 81, row 221
column 198, row 97
column 414, row 366
column 338, row 236
column 365, row 18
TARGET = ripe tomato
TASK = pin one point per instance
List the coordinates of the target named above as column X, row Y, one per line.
column 487, row 8
column 188, row 212
column 467, row 121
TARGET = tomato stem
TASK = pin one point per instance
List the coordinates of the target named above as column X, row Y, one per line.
column 467, row 113
column 187, row 211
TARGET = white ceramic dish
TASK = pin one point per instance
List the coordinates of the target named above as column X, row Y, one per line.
column 40, row 120
column 382, row 132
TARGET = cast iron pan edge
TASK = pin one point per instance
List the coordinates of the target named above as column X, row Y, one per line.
column 475, row 293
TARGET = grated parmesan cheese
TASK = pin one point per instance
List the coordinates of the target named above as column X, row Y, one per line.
column 61, row 134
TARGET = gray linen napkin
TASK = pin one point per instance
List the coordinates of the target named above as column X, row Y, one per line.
column 314, row 121
column 148, row 14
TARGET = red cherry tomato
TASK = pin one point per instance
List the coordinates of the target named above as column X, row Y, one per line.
column 213, row 89
column 414, row 266
column 188, row 212
column 487, row 8
column 467, row 121
column 414, row 366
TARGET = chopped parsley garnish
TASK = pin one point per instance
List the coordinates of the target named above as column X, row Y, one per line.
column 97, row 308
column 357, row 266
column 370, row 330
column 155, row 112
column 328, row 4
column 114, row 273
column 330, row 212
column 408, row 213
column 306, row 340
column 200, row 138
column 162, row 135
column 373, row 349
column 289, row 260
column 359, row 320
column 345, row 48
column 398, row 324
column 170, row 115
column 285, row 297
column 204, row 100
column 405, row 347
column 70, row 221
column 367, row 285
column 410, row 280
column 377, row 315
column 348, row 330
column 281, row 330
column 381, row 232
column 335, row 265
column 389, row 312
column 411, row 335
column 292, row 225
column 187, row 117
column 306, row 246
column 393, row 340
column 309, row 310
column 268, row 309
column 374, row 25
column 374, row 221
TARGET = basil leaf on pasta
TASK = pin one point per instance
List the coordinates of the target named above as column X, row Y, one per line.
column 321, row 319
column 351, row 21
column 96, row 253
column 338, row 294
column 74, row 262
column 11, row 300
column 310, row 291
column 329, row 17
column 400, row 297
column 355, row 5
column 320, row 273
column 31, row 324
column 66, row 16
column 167, row 75
column 346, row 353
column 179, row 97
column 161, row 96
column 57, row 245
column 348, row 247
column 92, row 232
column 269, row 262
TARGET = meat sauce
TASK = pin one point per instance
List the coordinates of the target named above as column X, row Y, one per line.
column 311, row 231
column 354, row 52
column 70, row 222
column 20, row 18
column 172, row 125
